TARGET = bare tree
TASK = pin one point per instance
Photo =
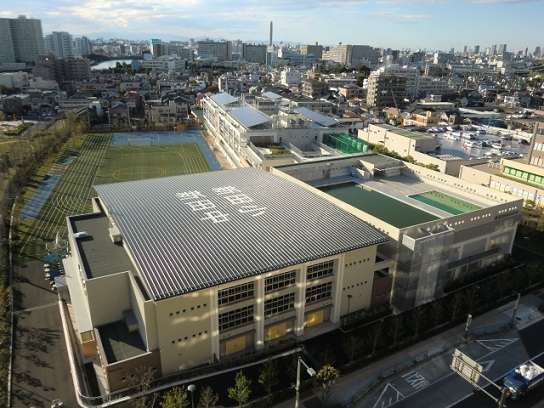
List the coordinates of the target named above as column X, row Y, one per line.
column 353, row 347
column 395, row 328
column 141, row 381
column 208, row 398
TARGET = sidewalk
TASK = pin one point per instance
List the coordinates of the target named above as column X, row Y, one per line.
column 351, row 384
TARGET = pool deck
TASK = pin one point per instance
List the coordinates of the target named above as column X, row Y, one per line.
column 400, row 188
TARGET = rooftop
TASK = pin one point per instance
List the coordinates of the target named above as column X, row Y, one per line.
column 190, row 232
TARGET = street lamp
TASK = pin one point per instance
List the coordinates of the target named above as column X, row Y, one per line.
column 192, row 388
column 467, row 324
column 513, row 322
column 311, row 373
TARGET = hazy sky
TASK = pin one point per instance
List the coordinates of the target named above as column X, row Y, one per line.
column 398, row 24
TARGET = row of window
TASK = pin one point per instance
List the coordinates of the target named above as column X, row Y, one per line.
column 192, row 309
column 355, row 263
column 280, row 281
column 235, row 293
column 539, row 146
column 244, row 315
column 524, row 175
column 279, row 305
column 319, row 270
column 235, row 318
column 352, row 286
column 187, row 337
column 318, row 292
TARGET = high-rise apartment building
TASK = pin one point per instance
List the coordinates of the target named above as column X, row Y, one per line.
column 212, row 49
column 254, row 53
column 21, row 40
column 83, row 46
column 385, row 90
column 61, row 44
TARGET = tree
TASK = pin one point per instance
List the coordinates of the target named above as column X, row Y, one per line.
column 417, row 316
column 141, row 382
column 269, row 376
column 208, row 398
column 327, row 380
column 353, row 345
column 376, row 334
column 455, row 306
column 175, row 398
column 395, row 329
column 437, row 308
column 241, row 390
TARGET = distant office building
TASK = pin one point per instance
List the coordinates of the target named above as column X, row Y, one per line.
column 315, row 50
column 83, row 46
column 61, row 44
column 476, row 49
column 502, row 49
column 347, row 54
column 21, row 40
column 158, row 48
column 271, row 32
column 222, row 51
column 465, row 49
column 254, row 53
column 538, row 51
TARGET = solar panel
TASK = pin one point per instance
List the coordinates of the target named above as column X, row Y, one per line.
column 223, row 99
column 317, row 117
column 249, row 117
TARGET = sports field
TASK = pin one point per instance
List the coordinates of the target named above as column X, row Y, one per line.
column 90, row 160
column 125, row 163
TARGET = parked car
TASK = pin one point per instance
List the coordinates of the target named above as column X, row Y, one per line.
column 497, row 145
column 507, row 137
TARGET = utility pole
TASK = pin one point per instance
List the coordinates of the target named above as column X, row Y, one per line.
column 513, row 321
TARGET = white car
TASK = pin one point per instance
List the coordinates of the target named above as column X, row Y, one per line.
column 497, row 145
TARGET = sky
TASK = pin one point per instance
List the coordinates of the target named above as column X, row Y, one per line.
column 398, row 24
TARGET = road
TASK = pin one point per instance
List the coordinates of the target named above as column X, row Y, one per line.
column 434, row 384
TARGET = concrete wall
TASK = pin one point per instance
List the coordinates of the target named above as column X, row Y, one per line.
column 108, row 298
column 357, row 280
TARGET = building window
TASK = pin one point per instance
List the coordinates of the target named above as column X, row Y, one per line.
column 235, row 318
column 235, row 293
column 319, row 270
column 318, row 292
column 279, row 305
column 280, row 281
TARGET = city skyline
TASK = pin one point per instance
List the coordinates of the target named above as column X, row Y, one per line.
column 398, row 24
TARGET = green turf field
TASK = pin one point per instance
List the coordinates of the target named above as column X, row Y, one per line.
column 125, row 163
column 94, row 161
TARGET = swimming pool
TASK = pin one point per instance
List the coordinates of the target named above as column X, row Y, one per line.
column 445, row 202
column 388, row 209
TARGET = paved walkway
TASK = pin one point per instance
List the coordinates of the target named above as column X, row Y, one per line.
column 351, row 384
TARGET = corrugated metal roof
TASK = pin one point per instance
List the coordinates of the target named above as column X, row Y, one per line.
column 272, row 95
column 195, row 231
column 317, row 117
column 223, row 98
column 249, row 117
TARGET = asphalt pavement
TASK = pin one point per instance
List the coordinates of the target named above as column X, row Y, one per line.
column 431, row 370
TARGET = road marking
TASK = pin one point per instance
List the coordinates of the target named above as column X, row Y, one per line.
column 496, row 344
column 35, row 308
column 486, row 365
column 416, row 380
column 388, row 397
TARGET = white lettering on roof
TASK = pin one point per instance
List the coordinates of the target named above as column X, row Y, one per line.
column 200, row 205
column 200, row 202
column 215, row 217
column 226, row 190
column 239, row 199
